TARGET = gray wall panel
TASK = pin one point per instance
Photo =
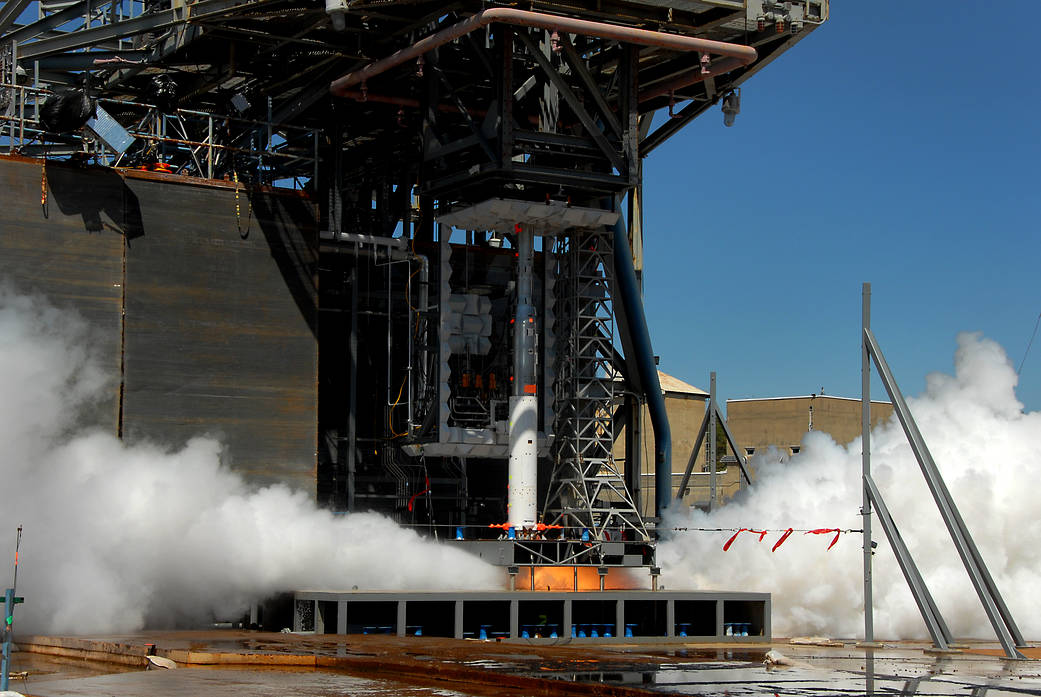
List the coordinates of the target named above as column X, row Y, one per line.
column 69, row 250
column 220, row 310
column 220, row 303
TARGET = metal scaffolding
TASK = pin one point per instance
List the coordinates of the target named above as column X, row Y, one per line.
column 586, row 490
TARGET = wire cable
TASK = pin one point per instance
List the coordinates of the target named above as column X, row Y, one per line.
column 1029, row 344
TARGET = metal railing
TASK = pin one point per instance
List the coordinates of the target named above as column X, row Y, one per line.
column 189, row 142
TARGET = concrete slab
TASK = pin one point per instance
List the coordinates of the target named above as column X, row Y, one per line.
column 263, row 663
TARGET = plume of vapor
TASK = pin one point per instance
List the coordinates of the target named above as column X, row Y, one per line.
column 987, row 449
column 117, row 537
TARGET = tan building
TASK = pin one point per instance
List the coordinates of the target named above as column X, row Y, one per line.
column 782, row 422
column 756, row 424
column 685, row 406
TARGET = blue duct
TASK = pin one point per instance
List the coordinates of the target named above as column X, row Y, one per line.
column 634, row 322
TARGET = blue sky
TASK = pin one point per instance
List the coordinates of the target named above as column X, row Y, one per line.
column 897, row 148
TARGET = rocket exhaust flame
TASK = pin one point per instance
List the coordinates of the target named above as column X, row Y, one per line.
column 580, row 578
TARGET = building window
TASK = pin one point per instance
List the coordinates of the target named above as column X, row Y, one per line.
column 749, row 451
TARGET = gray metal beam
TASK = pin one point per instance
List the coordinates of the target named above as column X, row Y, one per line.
column 352, row 390
column 712, row 451
column 673, row 125
column 29, row 31
column 733, row 444
column 702, row 430
column 865, row 458
column 10, row 12
column 116, row 30
column 923, row 598
column 993, row 604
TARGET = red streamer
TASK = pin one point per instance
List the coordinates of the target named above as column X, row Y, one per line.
column 825, row 531
column 784, row 537
column 761, row 533
column 729, row 542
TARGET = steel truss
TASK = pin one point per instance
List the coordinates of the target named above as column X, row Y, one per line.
column 586, row 491
column 1005, row 627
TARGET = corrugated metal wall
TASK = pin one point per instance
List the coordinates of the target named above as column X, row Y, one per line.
column 220, row 304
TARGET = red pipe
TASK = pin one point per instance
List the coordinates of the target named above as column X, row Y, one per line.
column 744, row 55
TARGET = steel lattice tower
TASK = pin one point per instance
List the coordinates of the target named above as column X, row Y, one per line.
column 586, row 492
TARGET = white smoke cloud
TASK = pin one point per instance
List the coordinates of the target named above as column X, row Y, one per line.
column 988, row 451
column 118, row 536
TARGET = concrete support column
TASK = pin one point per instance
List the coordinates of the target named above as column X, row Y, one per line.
column 341, row 617
column 319, row 621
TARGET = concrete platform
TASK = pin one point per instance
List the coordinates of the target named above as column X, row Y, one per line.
column 609, row 616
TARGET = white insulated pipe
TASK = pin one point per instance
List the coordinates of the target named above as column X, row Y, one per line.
column 522, row 486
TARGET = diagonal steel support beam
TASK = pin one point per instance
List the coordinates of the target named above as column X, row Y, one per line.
column 672, row 126
column 10, row 12
column 573, row 101
column 474, row 128
column 70, row 13
column 693, row 455
column 993, row 604
column 738, row 455
column 702, row 431
column 116, row 30
column 578, row 66
column 926, row 605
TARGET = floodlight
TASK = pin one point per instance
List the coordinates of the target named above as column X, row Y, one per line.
column 731, row 108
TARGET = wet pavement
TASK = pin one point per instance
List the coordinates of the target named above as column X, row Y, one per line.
column 814, row 671
column 261, row 664
column 231, row 681
column 56, row 677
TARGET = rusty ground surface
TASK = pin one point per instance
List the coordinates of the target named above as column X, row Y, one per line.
column 236, row 662
column 1031, row 652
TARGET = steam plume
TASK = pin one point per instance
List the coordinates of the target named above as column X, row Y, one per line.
column 988, row 451
column 117, row 537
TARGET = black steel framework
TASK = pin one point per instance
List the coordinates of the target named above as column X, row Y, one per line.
column 240, row 90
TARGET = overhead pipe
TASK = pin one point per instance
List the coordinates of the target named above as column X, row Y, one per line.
column 687, row 79
column 743, row 55
column 643, row 355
